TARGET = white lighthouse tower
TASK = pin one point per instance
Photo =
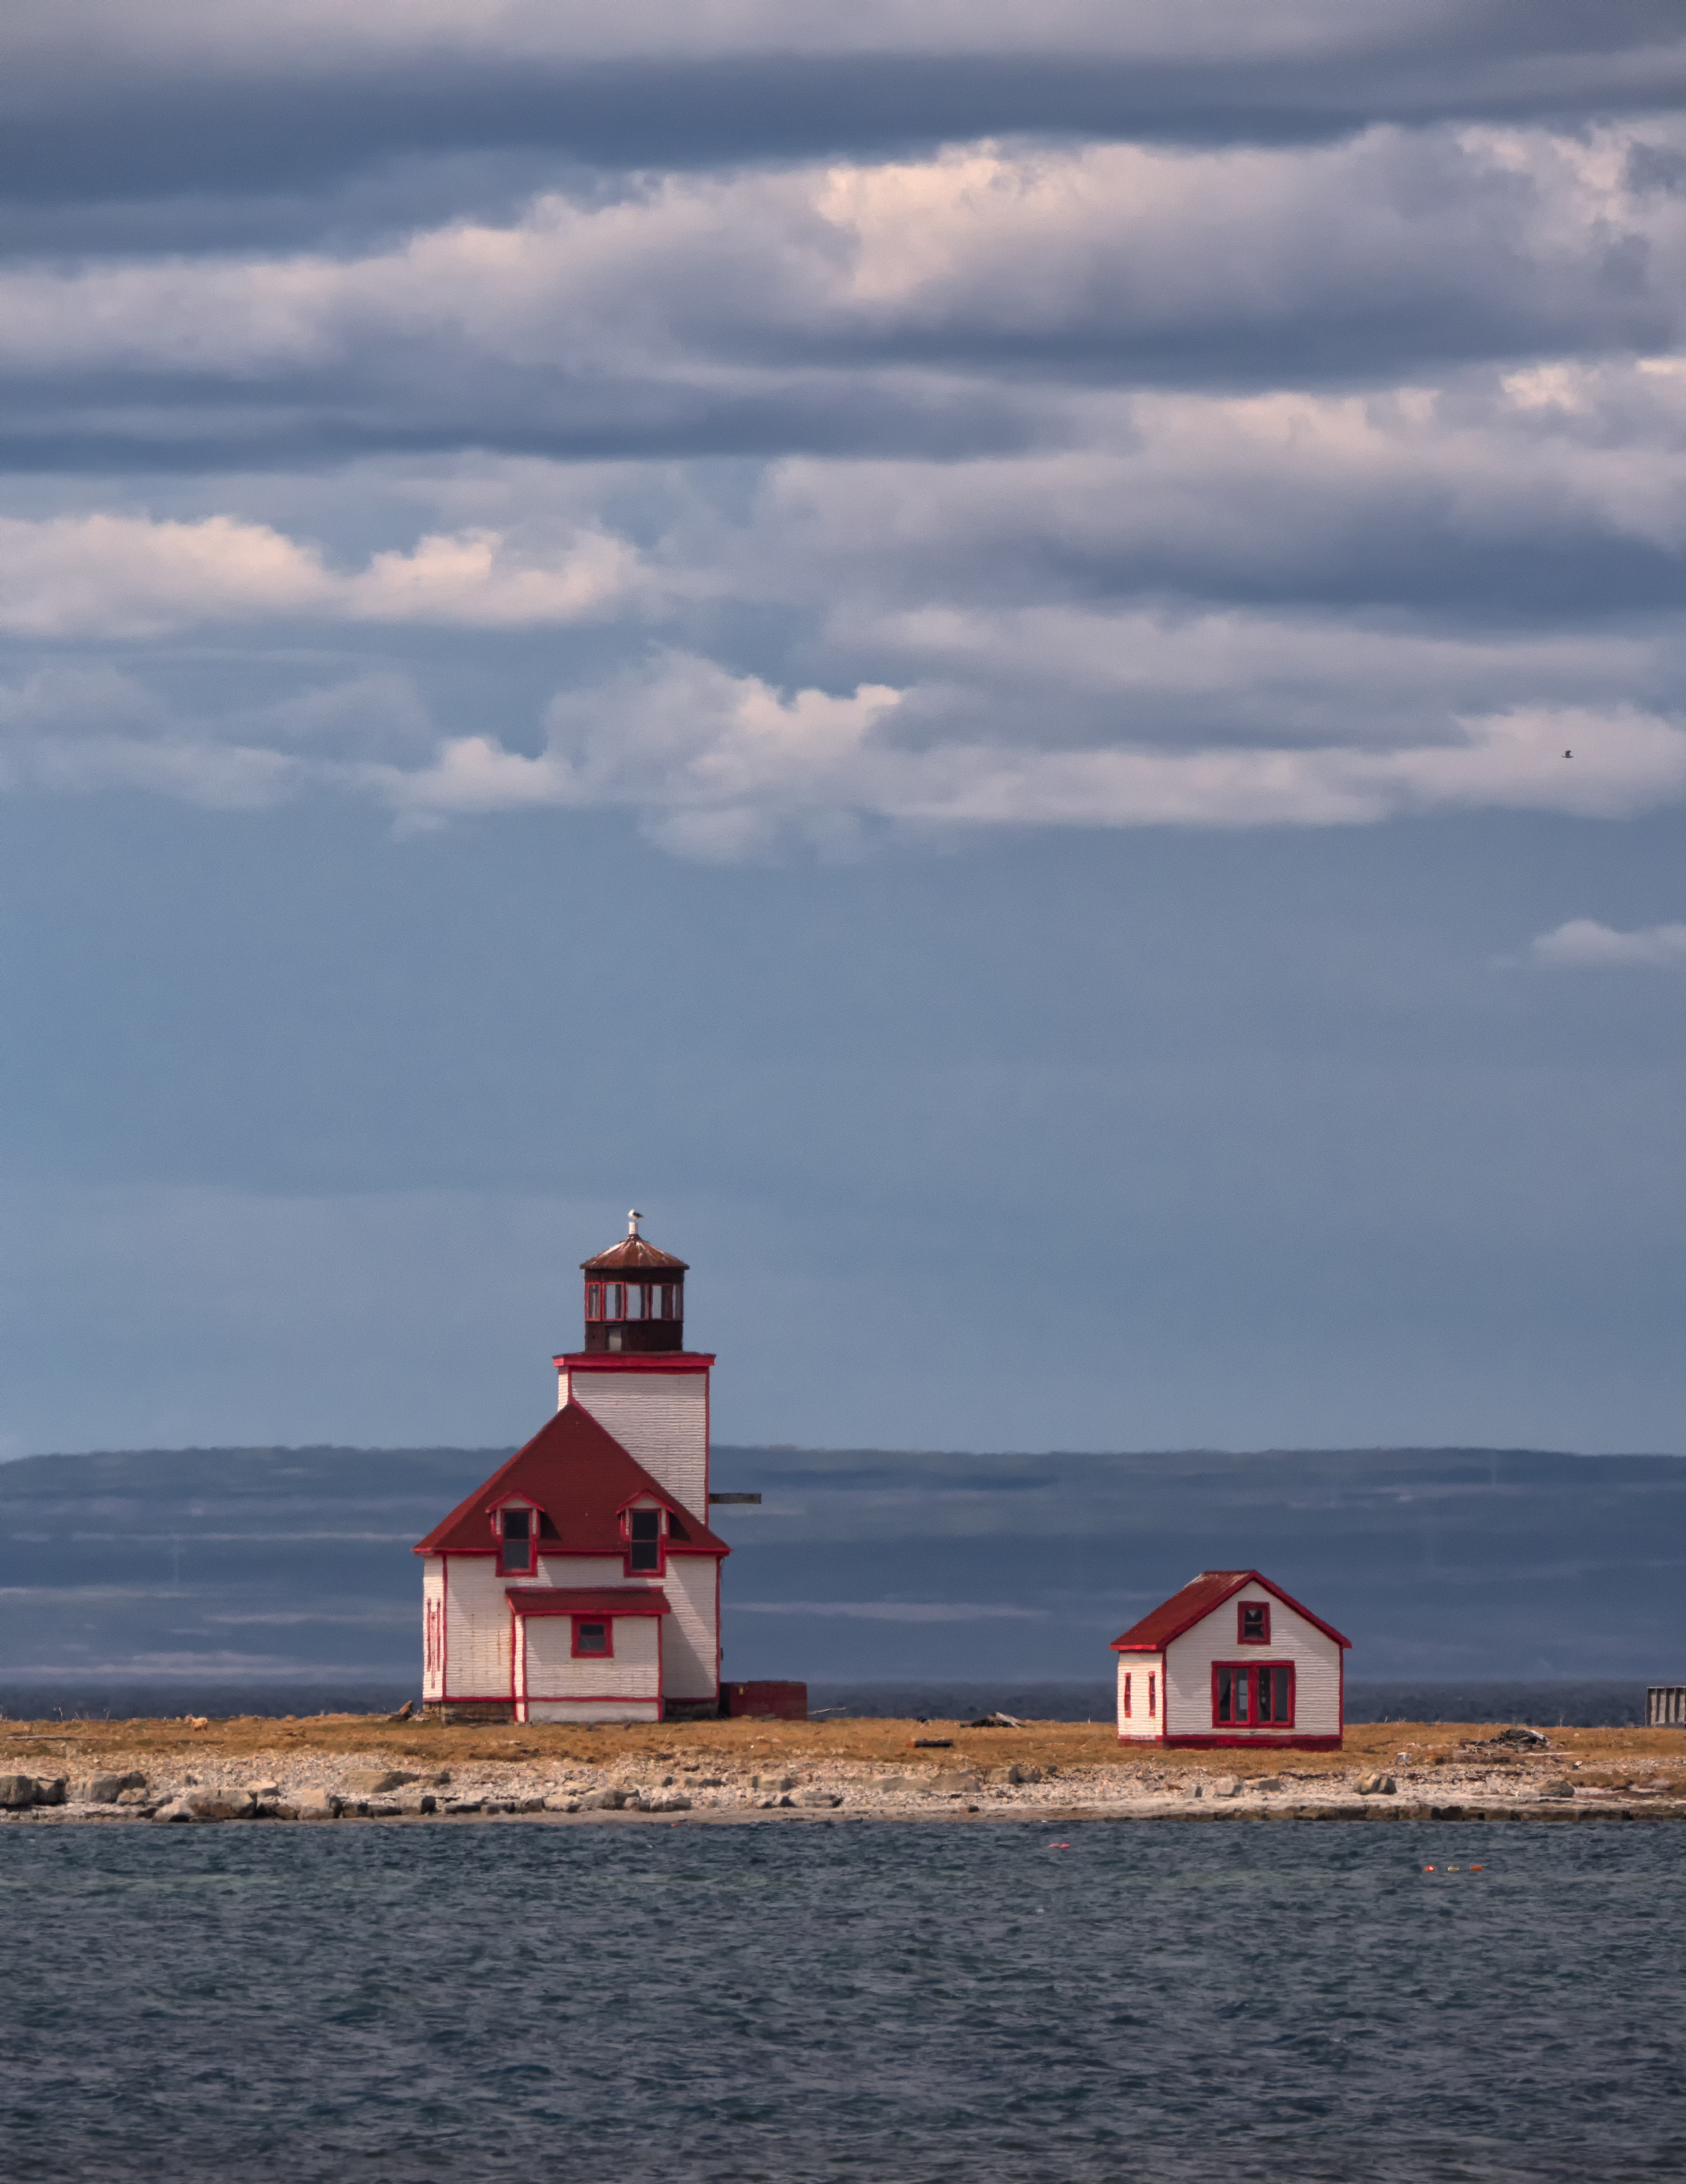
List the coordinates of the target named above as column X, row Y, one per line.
column 582, row 1581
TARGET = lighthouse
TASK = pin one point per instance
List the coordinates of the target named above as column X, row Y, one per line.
column 582, row 1581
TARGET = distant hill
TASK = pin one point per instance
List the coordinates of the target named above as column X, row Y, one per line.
column 229, row 1566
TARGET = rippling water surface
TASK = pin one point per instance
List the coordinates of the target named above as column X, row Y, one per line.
column 824, row 2001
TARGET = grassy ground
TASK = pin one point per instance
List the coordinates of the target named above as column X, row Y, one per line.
column 1606, row 1755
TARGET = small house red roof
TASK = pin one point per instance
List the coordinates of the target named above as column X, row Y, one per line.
column 587, row 1600
column 1196, row 1600
column 580, row 1479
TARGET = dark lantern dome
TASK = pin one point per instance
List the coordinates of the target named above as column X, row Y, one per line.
column 635, row 1295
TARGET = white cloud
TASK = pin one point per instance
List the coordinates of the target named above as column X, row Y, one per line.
column 112, row 576
column 1584, row 945
column 1482, row 240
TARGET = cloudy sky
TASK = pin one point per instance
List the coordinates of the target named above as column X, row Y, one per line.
column 1021, row 666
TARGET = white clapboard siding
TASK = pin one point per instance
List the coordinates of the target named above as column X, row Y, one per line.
column 633, row 1671
column 476, row 1629
column 691, row 1654
column 1142, row 1727
column 661, row 1419
column 1316, row 1664
column 433, row 1628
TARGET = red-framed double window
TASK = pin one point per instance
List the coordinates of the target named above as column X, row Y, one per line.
column 593, row 1638
column 1252, row 1695
column 1252, row 1622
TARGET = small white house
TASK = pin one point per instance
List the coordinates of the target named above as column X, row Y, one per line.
column 1232, row 1660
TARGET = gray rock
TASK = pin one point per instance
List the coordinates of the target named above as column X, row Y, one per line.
column 175, row 1811
column 275, row 1809
column 50, row 1789
column 777, row 1783
column 1014, row 1775
column 901, row 1786
column 1226, row 1785
column 1376, row 1785
column 219, row 1804
column 955, row 1786
column 603, row 1801
column 261, row 1790
column 669, row 1800
column 374, row 1781
column 460, row 1806
column 554, row 1804
column 1559, row 1789
column 1266, row 1782
column 1523, row 1740
column 96, row 1790
column 817, row 1797
column 416, row 1800
column 319, row 1805
column 17, row 1791
column 136, row 1794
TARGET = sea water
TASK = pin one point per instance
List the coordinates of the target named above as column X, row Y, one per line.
column 883, row 2003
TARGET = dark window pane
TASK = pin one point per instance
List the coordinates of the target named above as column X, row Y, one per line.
column 1225, row 1679
column 593, row 1637
column 1282, row 1681
column 646, row 1554
column 646, row 1524
column 515, row 1524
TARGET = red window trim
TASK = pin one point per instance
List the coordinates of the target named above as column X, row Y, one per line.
column 529, row 1567
column 1252, row 1670
column 660, row 1569
column 593, row 1652
column 1242, row 1607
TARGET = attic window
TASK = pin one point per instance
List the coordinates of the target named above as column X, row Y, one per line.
column 1255, row 1626
column 644, row 1535
column 516, row 1544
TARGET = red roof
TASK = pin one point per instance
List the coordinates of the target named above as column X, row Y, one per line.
column 587, row 1600
column 632, row 1255
column 1196, row 1600
column 580, row 1479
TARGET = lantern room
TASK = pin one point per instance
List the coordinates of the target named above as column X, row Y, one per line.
column 635, row 1295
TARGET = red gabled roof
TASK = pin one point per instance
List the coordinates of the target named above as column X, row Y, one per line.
column 1196, row 1600
column 580, row 1478
column 587, row 1599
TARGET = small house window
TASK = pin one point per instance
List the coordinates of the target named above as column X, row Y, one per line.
column 1153, row 1695
column 1244, row 1697
column 590, row 1636
column 1126, row 1698
column 617, row 1300
column 593, row 1300
column 643, row 1532
column 516, row 1546
column 1254, row 1627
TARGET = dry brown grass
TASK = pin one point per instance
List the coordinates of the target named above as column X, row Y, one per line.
column 1618, row 1755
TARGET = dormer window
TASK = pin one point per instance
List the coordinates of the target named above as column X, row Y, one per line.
column 1254, row 1627
column 644, row 1542
column 516, row 1540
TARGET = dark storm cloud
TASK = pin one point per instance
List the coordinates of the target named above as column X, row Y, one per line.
column 102, row 105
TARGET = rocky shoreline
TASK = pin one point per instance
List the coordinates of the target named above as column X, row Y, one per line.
column 297, row 1787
